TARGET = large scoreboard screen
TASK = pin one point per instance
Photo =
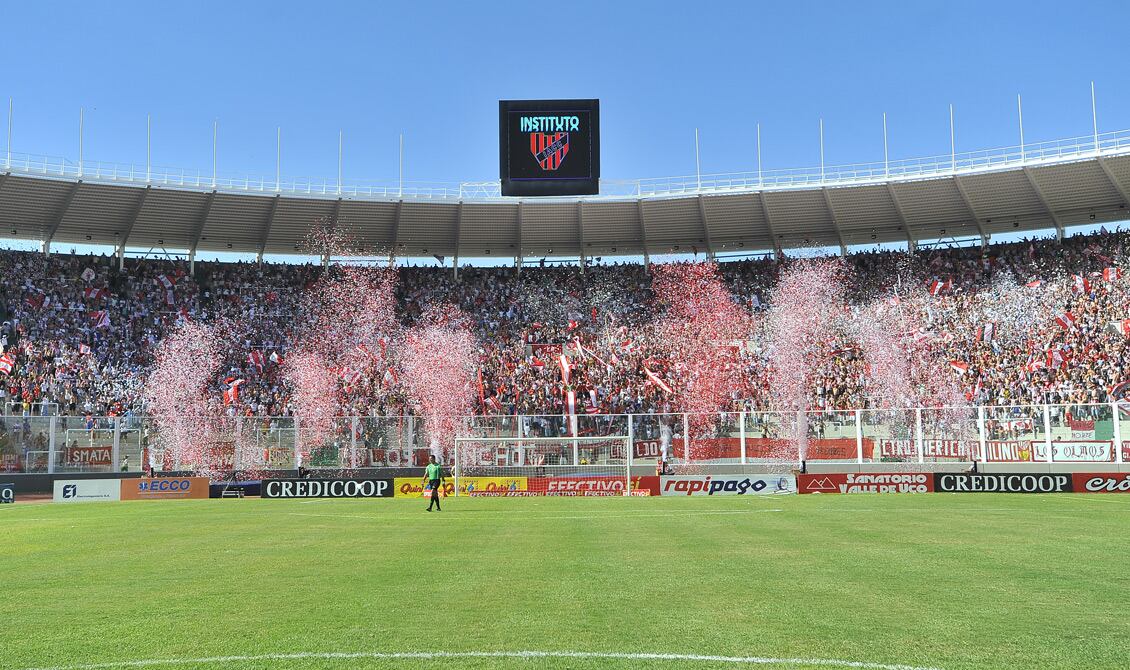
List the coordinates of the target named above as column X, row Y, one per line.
column 549, row 147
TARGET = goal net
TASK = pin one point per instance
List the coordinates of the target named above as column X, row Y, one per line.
column 513, row 466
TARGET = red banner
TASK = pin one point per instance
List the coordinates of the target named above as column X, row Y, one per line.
column 863, row 482
column 10, row 463
column 1101, row 482
column 88, row 455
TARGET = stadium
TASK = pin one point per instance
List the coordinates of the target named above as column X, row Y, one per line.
column 557, row 419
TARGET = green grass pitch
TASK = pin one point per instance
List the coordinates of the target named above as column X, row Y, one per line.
column 933, row 581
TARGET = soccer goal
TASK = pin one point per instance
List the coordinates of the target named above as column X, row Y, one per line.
column 569, row 466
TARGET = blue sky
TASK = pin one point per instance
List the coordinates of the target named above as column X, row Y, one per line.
column 435, row 71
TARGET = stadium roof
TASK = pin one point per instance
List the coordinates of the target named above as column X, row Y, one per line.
column 1040, row 186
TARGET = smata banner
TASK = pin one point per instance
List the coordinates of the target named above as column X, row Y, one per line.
column 1101, row 482
column 165, row 488
column 712, row 485
column 88, row 455
column 863, row 482
column 326, row 488
column 1010, row 482
column 87, row 490
column 7, row 493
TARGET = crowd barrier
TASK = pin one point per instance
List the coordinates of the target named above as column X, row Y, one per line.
column 1033, row 434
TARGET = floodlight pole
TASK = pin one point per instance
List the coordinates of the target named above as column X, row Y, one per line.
column 953, row 153
column 1020, row 116
column 821, row 151
column 1094, row 115
column 697, row 163
column 760, row 181
column 8, row 162
column 278, row 160
column 886, row 161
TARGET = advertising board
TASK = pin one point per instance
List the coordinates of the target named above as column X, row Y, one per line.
column 710, row 485
column 1011, row 482
column 326, row 488
column 863, row 482
column 165, row 488
column 87, row 490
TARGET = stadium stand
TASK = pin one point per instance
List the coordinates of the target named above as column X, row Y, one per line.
column 80, row 333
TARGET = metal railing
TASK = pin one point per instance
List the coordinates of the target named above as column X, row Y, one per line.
column 986, row 160
column 1080, row 433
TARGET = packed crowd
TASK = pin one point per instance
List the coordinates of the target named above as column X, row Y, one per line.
column 1034, row 321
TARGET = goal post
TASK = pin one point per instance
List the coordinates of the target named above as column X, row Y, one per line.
column 523, row 466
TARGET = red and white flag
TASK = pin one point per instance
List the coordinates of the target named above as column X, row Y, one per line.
column 83, row 350
column 657, row 381
column 1066, row 321
column 256, row 358
column 7, row 364
column 1080, row 284
column 986, row 332
column 165, row 281
column 350, row 376
column 1112, row 274
column 537, row 362
column 170, row 297
column 960, row 367
column 231, row 393
column 573, row 325
column 390, row 378
column 100, row 319
column 937, row 287
column 571, row 408
column 565, row 368
column 1035, row 283
column 275, row 358
column 93, row 293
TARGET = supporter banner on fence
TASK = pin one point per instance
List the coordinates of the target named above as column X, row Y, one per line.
column 413, row 487
column 10, row 463
column 862, row 482
column 7, row 493
column 165, row 488
column 87, row 490
column 88, row 455
column 908, row 449
column 707, row 449
column 965, row 482
column 711, row 485
column 326, row 488
column 591, row 486
column 1080, row 451
column 1101, row 482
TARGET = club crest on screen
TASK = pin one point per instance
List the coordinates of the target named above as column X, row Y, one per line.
column 549, row 149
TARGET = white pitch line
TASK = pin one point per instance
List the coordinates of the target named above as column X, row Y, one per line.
column 539, row 517
column 453, row 655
